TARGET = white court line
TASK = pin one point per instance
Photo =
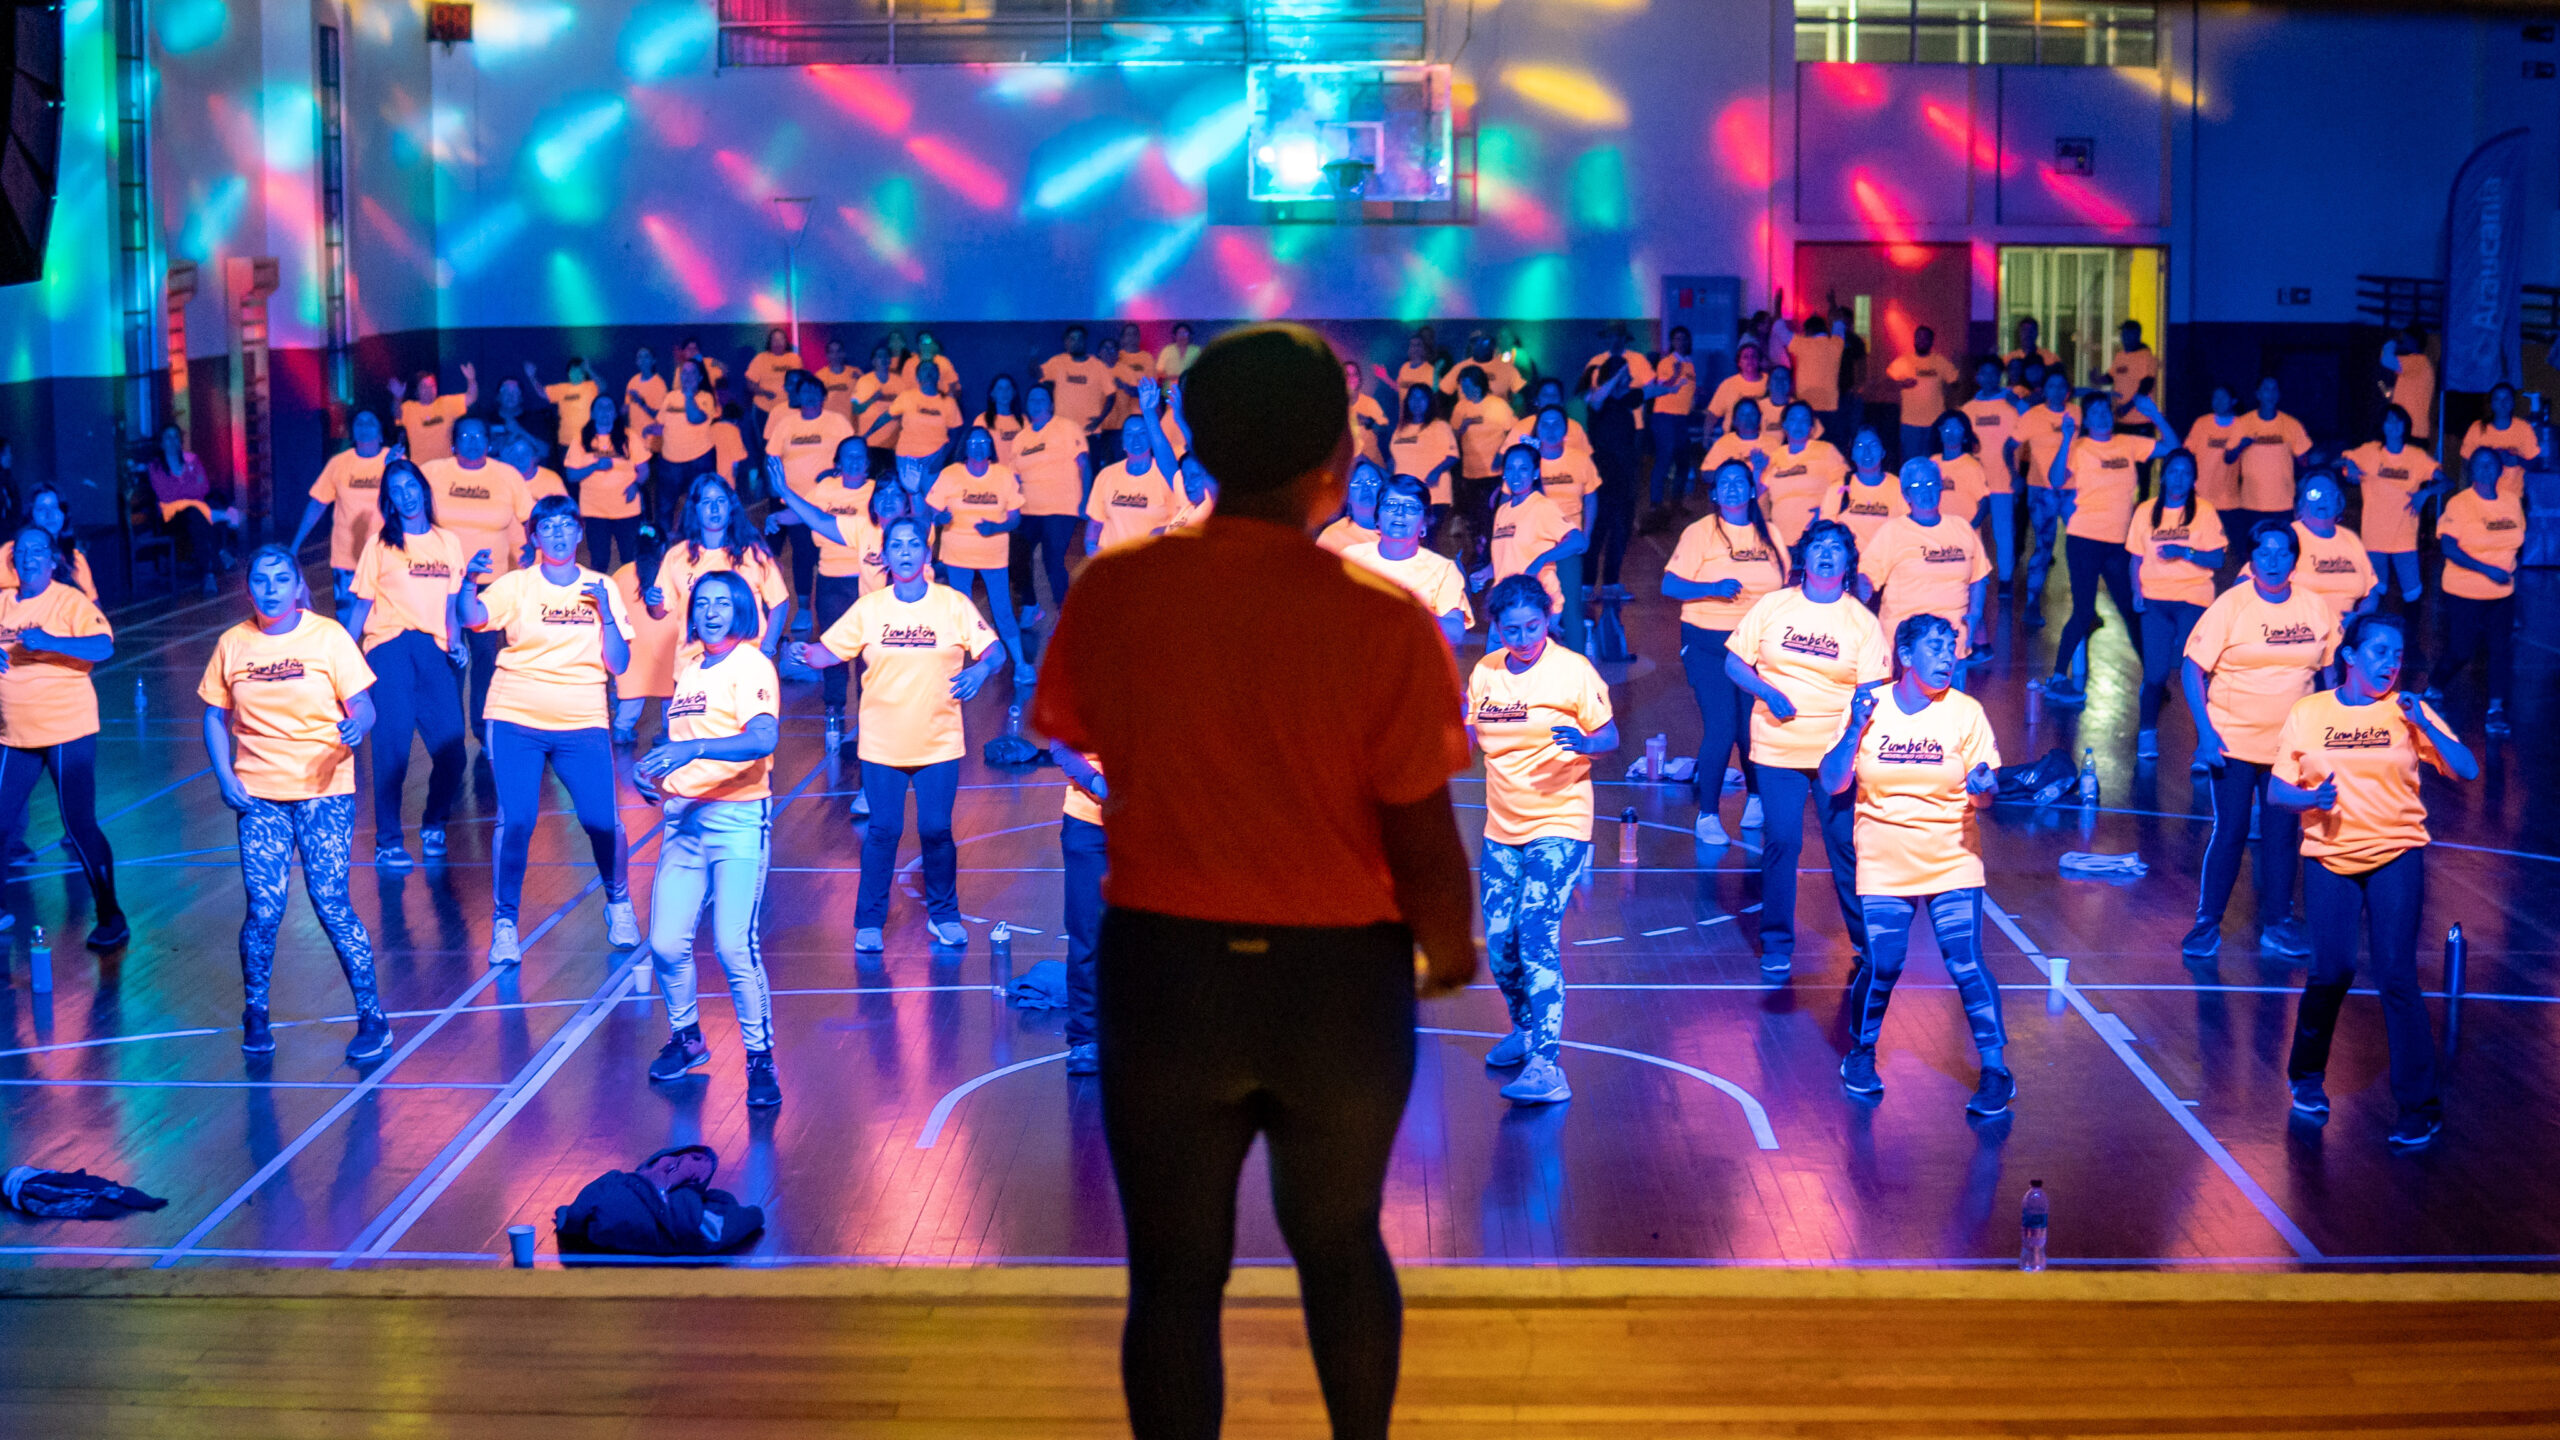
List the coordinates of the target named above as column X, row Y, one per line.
column 2208, row 820
column 2116, row 1041
column 38, row 1082
column 1752, row 1112
column 415, row 1199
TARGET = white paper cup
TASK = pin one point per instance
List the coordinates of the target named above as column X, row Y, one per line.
column 2058, row 971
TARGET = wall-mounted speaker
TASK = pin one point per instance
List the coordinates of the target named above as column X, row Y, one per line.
column 32, row 63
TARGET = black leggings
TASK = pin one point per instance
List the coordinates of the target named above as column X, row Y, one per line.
column 1783, row 793
column 2472, row 629
column 2092, row 561
column 1616, row 518
column 2166, row 624
column 74, row 767
column 1211, row 1034
column 2238, row 784
column 414, row 689
column 1052, row 536
column 2387, row 898
column 605, row 537
column 1724, row 715
column 833, row 595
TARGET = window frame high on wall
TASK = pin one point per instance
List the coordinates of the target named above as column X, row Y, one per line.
column 1980, row 32
column 1067, row 32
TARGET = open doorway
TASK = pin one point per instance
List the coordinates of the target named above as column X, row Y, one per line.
column 2078, row 295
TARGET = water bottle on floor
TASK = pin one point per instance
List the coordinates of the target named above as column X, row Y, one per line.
column 1000, row 952
column 1627, row 836
column 1657, row 754
column 39, row 962
column 2088, row 776
column 1013, row 720
column 2033, row 1222
column 141, row 698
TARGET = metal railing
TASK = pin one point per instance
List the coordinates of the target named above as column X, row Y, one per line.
column 1066, row 32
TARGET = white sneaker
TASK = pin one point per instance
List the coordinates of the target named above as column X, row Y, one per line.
column 503, row 949
column 621, row 925
column 1541, row 1082
column 1510, row 1050
column 1710, row 829
column 948, row 934
column 1752, row 815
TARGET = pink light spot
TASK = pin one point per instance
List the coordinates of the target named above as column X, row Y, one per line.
column 2084, row 199
column 1857, row 87
column 862, row 94
column 691, row 268
column 964, row 174
column 1740, row 140
column 1888, row 219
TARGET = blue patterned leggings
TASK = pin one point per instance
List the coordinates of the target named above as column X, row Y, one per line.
column 270, row 831
column 1525, row 890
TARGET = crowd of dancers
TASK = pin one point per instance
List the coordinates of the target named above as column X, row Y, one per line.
column 528, row 576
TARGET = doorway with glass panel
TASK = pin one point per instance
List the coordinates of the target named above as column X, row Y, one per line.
column 2078, row 295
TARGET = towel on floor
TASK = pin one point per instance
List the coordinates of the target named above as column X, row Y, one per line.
column 2084, row 865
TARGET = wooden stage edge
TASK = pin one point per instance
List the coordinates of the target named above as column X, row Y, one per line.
column 1450, row 1285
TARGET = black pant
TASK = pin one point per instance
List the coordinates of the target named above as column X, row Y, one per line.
column 668, row 482
column 1782, row 796
column 1724, row 715
column 74, row 767
column 1052, row 536
column 1671, row 464
column 2387, row 899
column 804, row 562
column 612, row 543
column 1616, row 519
column 2238, row 784
column 414, row 689
column 484, row 646
column 2472, row 628
column 1211, row 1034
column 2166, row 624
column 2092, row 561
column 1081, row 844
column 833, row 595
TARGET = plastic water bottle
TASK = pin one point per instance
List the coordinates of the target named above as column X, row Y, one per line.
column 1013, row 720
column 1000, row 946
column 2088, row 776
column 39, row 961
column 1627, row 836
column 2034, row 1220
column 2035, row 702
column 1657, row 753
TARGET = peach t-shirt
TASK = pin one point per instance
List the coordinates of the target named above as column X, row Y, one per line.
column 351, row 486
column 1045, row 460
column 1732, row 390
column 851, row 505
column 2515, row 435
column 1523, row 530
column 2389, row 522
column 2262, row 656
column 1249, row 764
column 486, row 509
column 1926, row 400
column 1815, row 655
column 1427, row 575
column 1710, row 551
column 429, row 426
column 573, row 399
column 2266, row 467
column 713, row 701
column 1816, row 359
column 969, row 499
column 1798, row 484
column 1130, row 507
column 2373, row 752
column 925, row 422
column 1535, row 789
column 551, row 675
column 1995, row 424
column 411, row 587
column 2335, row 569
column 655, row 644
column 47, row 699
column 2105, row 477
column 2181, row 582
column 286, row 694
column 1915, row 824
column 1344, row 533
column 1486, row 430
column 1864, row 508
column 1080, row 389
column 806, row 447
column 1963, row 483
column 2039, row 437
column 2490, row 531
column 1419, row 450
column 1925, row 570
column 2217, row 482
column 911, row 650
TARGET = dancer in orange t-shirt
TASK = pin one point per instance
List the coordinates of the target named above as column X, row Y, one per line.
column 976, row 504
column 51, row 636
column 2397, row 475
column 1721, row 567
column 285, row 708
column 1921, row 759
column 2481, row 532
column 566, row 635
column 2255, row 651
column 405, row 584
column 2096, row 475
column 2177, row 546
column 2348, row 760
column 1539, row 712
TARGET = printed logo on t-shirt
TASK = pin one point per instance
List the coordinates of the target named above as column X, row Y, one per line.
column 268, row 671
column 2501, row 522
column 1075, row 377
column 1867, row 507
column 1130, row 500
column 568, row 615
column 2170, row 537
column 909, row 637
column 430, row 570
column 686, row 706
column 1504, row 531
column 2294, row 634
column 798, row 441
column 1502, row 712
column 2114, row 462
column 1813, row 643
column 1944, row 554
column 2361, row 737
column 1923, row 751
column 2333, row 565
column 364, row 482
column 2394, row 472
column 979, row 497
column 466, row 492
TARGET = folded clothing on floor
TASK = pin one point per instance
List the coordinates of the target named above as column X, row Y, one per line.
column 72, row 1195
column 2084, row 865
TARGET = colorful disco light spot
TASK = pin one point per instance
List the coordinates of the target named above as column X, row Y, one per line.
column 2093, row 205
column 211, row 218
column 690, row 267
column 668, row 36
column 507, row 30
column 484, row 237
column 769, row 308
column 574, row 298
column 187, row 26
column 563, row 138
column 1575, row 95
column 751, row 183
column 1537, row 289
column 674, row 121
column 865, row 94
column 1151, row 264
column 1739, row 138
column 1166, row 194
column 960, row 172
column 1848, row 86
column 1259, row 285
column 391, row 232
column 1029, row 84
column 1194, row 143
column 1599, row 188
column 1953, row 129
column 1888, row 219
column 882, row 241
column 289, row 126
column 1077, row 167
column 1430, row 287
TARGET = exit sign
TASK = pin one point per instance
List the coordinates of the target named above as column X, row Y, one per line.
column 448, row 23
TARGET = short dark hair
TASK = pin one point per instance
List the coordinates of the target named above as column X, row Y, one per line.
column 2280, row 526
column 1917, row 628
column 1517, row 592
column 1265, row 406
column 2360, row 626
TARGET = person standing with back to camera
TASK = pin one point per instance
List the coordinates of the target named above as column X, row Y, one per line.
column 1281, row 843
